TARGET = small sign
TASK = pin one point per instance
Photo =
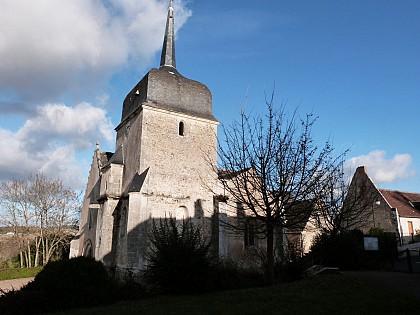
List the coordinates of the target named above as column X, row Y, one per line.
column 371, row 243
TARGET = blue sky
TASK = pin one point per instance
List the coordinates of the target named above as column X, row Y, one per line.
column 66, row 67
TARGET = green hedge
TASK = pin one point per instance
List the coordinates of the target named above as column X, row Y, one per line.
column 61, row 285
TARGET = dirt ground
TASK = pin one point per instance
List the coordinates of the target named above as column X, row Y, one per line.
column 16, row 284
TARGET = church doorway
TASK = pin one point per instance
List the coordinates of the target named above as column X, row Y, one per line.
column 88, row 249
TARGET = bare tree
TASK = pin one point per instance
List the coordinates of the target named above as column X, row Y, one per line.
column 273, row 168
column 16, row 212
column 55, row 210
column 42, row 212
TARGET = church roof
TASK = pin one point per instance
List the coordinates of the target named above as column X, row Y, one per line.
column 116, row 158
column 166, row 88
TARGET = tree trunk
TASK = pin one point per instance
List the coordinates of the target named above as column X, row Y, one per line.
column 37, row 245
column 44, row 252
column 53, row 244
column 21, row 259
column 280, row 245
column 29, row 255
column 25, row 254
column 50, row 252
column 270, row 254
column 47, row 251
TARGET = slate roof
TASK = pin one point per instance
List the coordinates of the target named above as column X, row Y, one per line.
column 115, row 158
column 168, row 50
column 108, row 155
column 165, row 88
column 407, row 204
column 104, row 157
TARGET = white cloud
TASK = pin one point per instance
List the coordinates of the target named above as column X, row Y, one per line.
column 50, row 140
column 53, row 50
column 14, row 160
column 57, row 122
column 50, row 47
column 381, row 169
column 62, row 163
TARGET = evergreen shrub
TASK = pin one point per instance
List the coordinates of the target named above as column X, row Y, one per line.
column 179, row 257
column 343, row 250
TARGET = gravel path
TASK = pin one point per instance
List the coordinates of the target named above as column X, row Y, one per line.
column 7, row 285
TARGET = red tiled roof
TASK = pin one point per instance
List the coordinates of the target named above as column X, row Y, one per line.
column 403, row 202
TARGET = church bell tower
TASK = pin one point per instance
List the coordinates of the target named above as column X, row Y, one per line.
column 163, row 166
column 167, row 140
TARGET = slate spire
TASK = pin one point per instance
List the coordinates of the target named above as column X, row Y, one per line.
column 168, row 51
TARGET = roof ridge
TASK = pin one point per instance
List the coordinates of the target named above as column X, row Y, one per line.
column 400, row 191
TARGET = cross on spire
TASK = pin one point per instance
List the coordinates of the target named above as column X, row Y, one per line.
column 168, row 50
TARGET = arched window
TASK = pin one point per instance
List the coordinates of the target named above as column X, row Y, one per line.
column 182, row 213
column 87, row 249
column 181, row 128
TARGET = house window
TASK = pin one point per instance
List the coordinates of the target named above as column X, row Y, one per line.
column 181, row 128
column 249, row 234
column 240, row 211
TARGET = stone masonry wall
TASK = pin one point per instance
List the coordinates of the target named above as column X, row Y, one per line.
column 179, row 181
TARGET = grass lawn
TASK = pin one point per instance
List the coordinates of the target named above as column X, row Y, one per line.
column 333, row 294
column 16, row 273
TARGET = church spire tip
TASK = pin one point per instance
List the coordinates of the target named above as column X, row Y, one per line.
column 168, row 51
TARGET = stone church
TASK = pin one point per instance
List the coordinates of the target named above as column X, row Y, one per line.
column 166, row 147
column 164, row 165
